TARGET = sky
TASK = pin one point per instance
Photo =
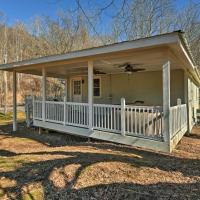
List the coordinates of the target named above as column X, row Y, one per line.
column 24, row 10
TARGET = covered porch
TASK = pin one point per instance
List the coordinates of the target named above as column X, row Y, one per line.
column 151, row 120
column 150, row 110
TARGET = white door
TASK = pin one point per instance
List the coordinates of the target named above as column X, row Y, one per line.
column 76, row 90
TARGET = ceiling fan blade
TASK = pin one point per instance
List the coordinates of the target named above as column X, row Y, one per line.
column 106, row 62
column 133, row 65
column 98, row 72
column 138, row 70
column 123, row 65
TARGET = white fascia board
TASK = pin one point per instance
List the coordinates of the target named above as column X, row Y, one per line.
column 192, row 68
column 186, row 54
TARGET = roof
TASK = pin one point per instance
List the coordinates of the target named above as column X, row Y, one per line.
column 176, row 37
column 85, row 52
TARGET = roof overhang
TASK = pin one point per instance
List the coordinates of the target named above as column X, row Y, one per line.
column 166, row 46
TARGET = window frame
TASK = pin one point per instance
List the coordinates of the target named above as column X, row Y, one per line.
column 99, row 78
column 80, row 91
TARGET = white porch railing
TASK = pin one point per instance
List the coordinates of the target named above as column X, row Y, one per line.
column 37, row 109
column 142, row 121
column 69, row 113
column 178, row 118
column 54, row 111
column 107, row 117
column 76, row 114
column 139, row 120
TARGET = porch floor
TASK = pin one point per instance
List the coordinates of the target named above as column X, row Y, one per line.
column 106, row 136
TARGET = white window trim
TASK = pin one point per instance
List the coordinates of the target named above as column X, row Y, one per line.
column 71, row 86
column 79, row 86
column 97, row 77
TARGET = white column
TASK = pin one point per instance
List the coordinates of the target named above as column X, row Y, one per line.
column 14, row 101
column 43, row 92
column 166, row 101
column 90, row 93
column 123, row 105
column 187, row 101
column 5, row 82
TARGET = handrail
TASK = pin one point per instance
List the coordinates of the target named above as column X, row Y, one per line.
column 145, row 121
column 178, row 119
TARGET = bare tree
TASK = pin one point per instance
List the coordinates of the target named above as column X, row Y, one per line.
column 82, row 27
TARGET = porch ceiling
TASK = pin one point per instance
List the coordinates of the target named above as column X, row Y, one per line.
column 151, row 59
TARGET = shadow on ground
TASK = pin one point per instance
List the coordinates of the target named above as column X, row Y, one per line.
column 38, row 173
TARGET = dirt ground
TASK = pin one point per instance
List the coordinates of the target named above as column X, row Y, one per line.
column 56, row 166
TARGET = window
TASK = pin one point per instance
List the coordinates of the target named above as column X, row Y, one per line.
column 97, row 87
column 77, row 87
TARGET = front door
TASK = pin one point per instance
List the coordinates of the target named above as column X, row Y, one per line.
column 76, row 90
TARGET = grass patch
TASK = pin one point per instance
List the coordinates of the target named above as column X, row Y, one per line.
column 33, row 191
column 1, row 192
column 8, row 117
column 12, row 163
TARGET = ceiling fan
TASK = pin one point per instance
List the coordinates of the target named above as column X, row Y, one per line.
column 130, row 68
column 96, row 72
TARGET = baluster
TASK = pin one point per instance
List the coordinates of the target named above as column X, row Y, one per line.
column 108, row 124
column 127, row 119
column 98, row 116
column 72, row 113
column 104, row 114
column 56, row 111
column 140, row 122
column 111, row 118
column 131, row 128
column 135, row 121
column 102, row 118
column 143, row 121
column 75, row 114
column 152, row 124
column 156, row 128
column 79, row 116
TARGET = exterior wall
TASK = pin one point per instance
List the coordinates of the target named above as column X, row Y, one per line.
column 144, row 86
column 192, row 100
column 177, row 86
column 193, row 93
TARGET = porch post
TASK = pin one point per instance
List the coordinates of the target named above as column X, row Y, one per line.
column 43, row 92
column 166, row 101
column 187, row 101
column 90, row 93
column 14, row 101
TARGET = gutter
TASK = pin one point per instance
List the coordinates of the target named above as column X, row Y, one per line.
column 197, row 73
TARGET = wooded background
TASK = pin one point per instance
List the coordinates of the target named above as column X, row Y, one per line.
column 79, row 28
